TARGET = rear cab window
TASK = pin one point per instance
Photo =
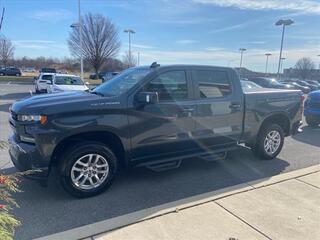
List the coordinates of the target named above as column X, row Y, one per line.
column 212, row 83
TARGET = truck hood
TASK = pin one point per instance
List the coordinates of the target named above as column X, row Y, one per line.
column 62, row 102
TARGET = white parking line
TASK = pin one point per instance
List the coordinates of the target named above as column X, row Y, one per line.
column 9, row 83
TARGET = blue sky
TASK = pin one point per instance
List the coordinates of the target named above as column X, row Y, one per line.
column 175, row 31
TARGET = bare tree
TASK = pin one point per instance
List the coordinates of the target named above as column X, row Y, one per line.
column 6, row 50
column 100, row 40
column 129, row 60
column 304, row 67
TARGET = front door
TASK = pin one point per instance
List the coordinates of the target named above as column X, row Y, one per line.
column 163, row 130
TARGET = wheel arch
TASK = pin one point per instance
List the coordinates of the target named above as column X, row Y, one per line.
column 109, row 138
column 282, row 119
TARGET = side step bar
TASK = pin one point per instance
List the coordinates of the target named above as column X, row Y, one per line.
column 164, row 166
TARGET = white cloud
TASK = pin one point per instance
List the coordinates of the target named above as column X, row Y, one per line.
column 56, row 15
column 185, row 41
column 188, row 21
column 142, row 46
column 38, row 44
column 254, row 59
column 307, row 6
column 235, row 26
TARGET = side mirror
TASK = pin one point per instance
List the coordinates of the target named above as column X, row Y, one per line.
column 147, row 97
column 87, row 83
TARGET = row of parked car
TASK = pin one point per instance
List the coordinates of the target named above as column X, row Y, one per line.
column 305, row 86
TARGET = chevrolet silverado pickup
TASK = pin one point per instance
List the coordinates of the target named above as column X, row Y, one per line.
column 151, row 116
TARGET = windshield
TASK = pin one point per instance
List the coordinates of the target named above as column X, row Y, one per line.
column 68, row 80
column 122, row 82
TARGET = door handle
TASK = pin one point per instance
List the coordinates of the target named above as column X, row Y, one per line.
column 235, row 105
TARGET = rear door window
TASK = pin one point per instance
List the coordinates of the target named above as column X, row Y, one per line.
column 212, row 83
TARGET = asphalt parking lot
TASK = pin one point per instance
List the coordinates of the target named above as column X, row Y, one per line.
column 49, row 210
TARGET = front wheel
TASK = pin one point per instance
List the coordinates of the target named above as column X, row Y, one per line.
column 88, row 169
column 269, row 142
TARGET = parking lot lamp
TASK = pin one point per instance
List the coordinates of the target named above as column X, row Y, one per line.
column 241, row 55
column 129, row 31
column 282, row 23
column 267, row 61
column 79, row 26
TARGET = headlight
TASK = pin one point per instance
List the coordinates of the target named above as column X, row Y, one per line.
column 33, row 118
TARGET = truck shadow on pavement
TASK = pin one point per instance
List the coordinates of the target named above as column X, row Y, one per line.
column 310, row 135
column 52, row 210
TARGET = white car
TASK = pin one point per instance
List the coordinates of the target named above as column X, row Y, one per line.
column 41, row 83
column 66, row 82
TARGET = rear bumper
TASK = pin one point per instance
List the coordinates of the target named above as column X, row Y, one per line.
column 22, row 156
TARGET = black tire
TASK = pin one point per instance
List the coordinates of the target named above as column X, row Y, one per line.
column 37, row 91
column 76, row 152
column 1, row 74
column 259, row 149
column 312, row 122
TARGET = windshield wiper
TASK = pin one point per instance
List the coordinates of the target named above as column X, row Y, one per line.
column 97, row 93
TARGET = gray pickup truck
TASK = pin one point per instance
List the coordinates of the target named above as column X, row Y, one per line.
column 150, row 116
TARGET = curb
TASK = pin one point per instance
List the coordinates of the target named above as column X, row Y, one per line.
column 149, row 213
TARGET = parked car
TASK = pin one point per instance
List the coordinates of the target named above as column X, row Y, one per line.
column 66, row 82
column 313, row 83
column 48, row 70
column 10, row 71
column 270, row 83
column 148, row 117
column 42, row 82
column 94, row 75
column 305, row 84
column 249, row 85
column 296, row 85
column 30, row 70
column 312, row 109
column 109, row 75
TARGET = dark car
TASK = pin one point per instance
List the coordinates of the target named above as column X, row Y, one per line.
column 270, row 83
column 296, row 85
column 312, row 109
column 94, row 75
column 151, row 116
column 10, row 71
column 109, row 75
column 313, row 83
column 306, row 84
column 48, row 70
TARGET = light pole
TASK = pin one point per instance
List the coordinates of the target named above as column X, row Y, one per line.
column 267, row 61
column 129, row 31
column 241, row 55
column 284, row 23
column 281, row 65
column 79, row 26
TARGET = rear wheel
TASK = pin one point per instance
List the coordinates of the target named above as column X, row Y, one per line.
column 312, row 121
column 269, row 142
column 88, row 169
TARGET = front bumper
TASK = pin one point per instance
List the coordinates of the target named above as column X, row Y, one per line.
column 23, row 156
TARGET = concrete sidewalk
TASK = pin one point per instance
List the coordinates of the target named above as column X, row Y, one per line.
column 284, row 210
column 285, row 206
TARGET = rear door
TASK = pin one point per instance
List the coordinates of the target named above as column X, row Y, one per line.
column 219, row 107
column 163, row 130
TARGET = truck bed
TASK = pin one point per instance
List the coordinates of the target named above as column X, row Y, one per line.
column 262, row 102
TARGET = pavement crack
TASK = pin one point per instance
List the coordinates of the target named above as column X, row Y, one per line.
column 242, row 220
column 307, row 183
